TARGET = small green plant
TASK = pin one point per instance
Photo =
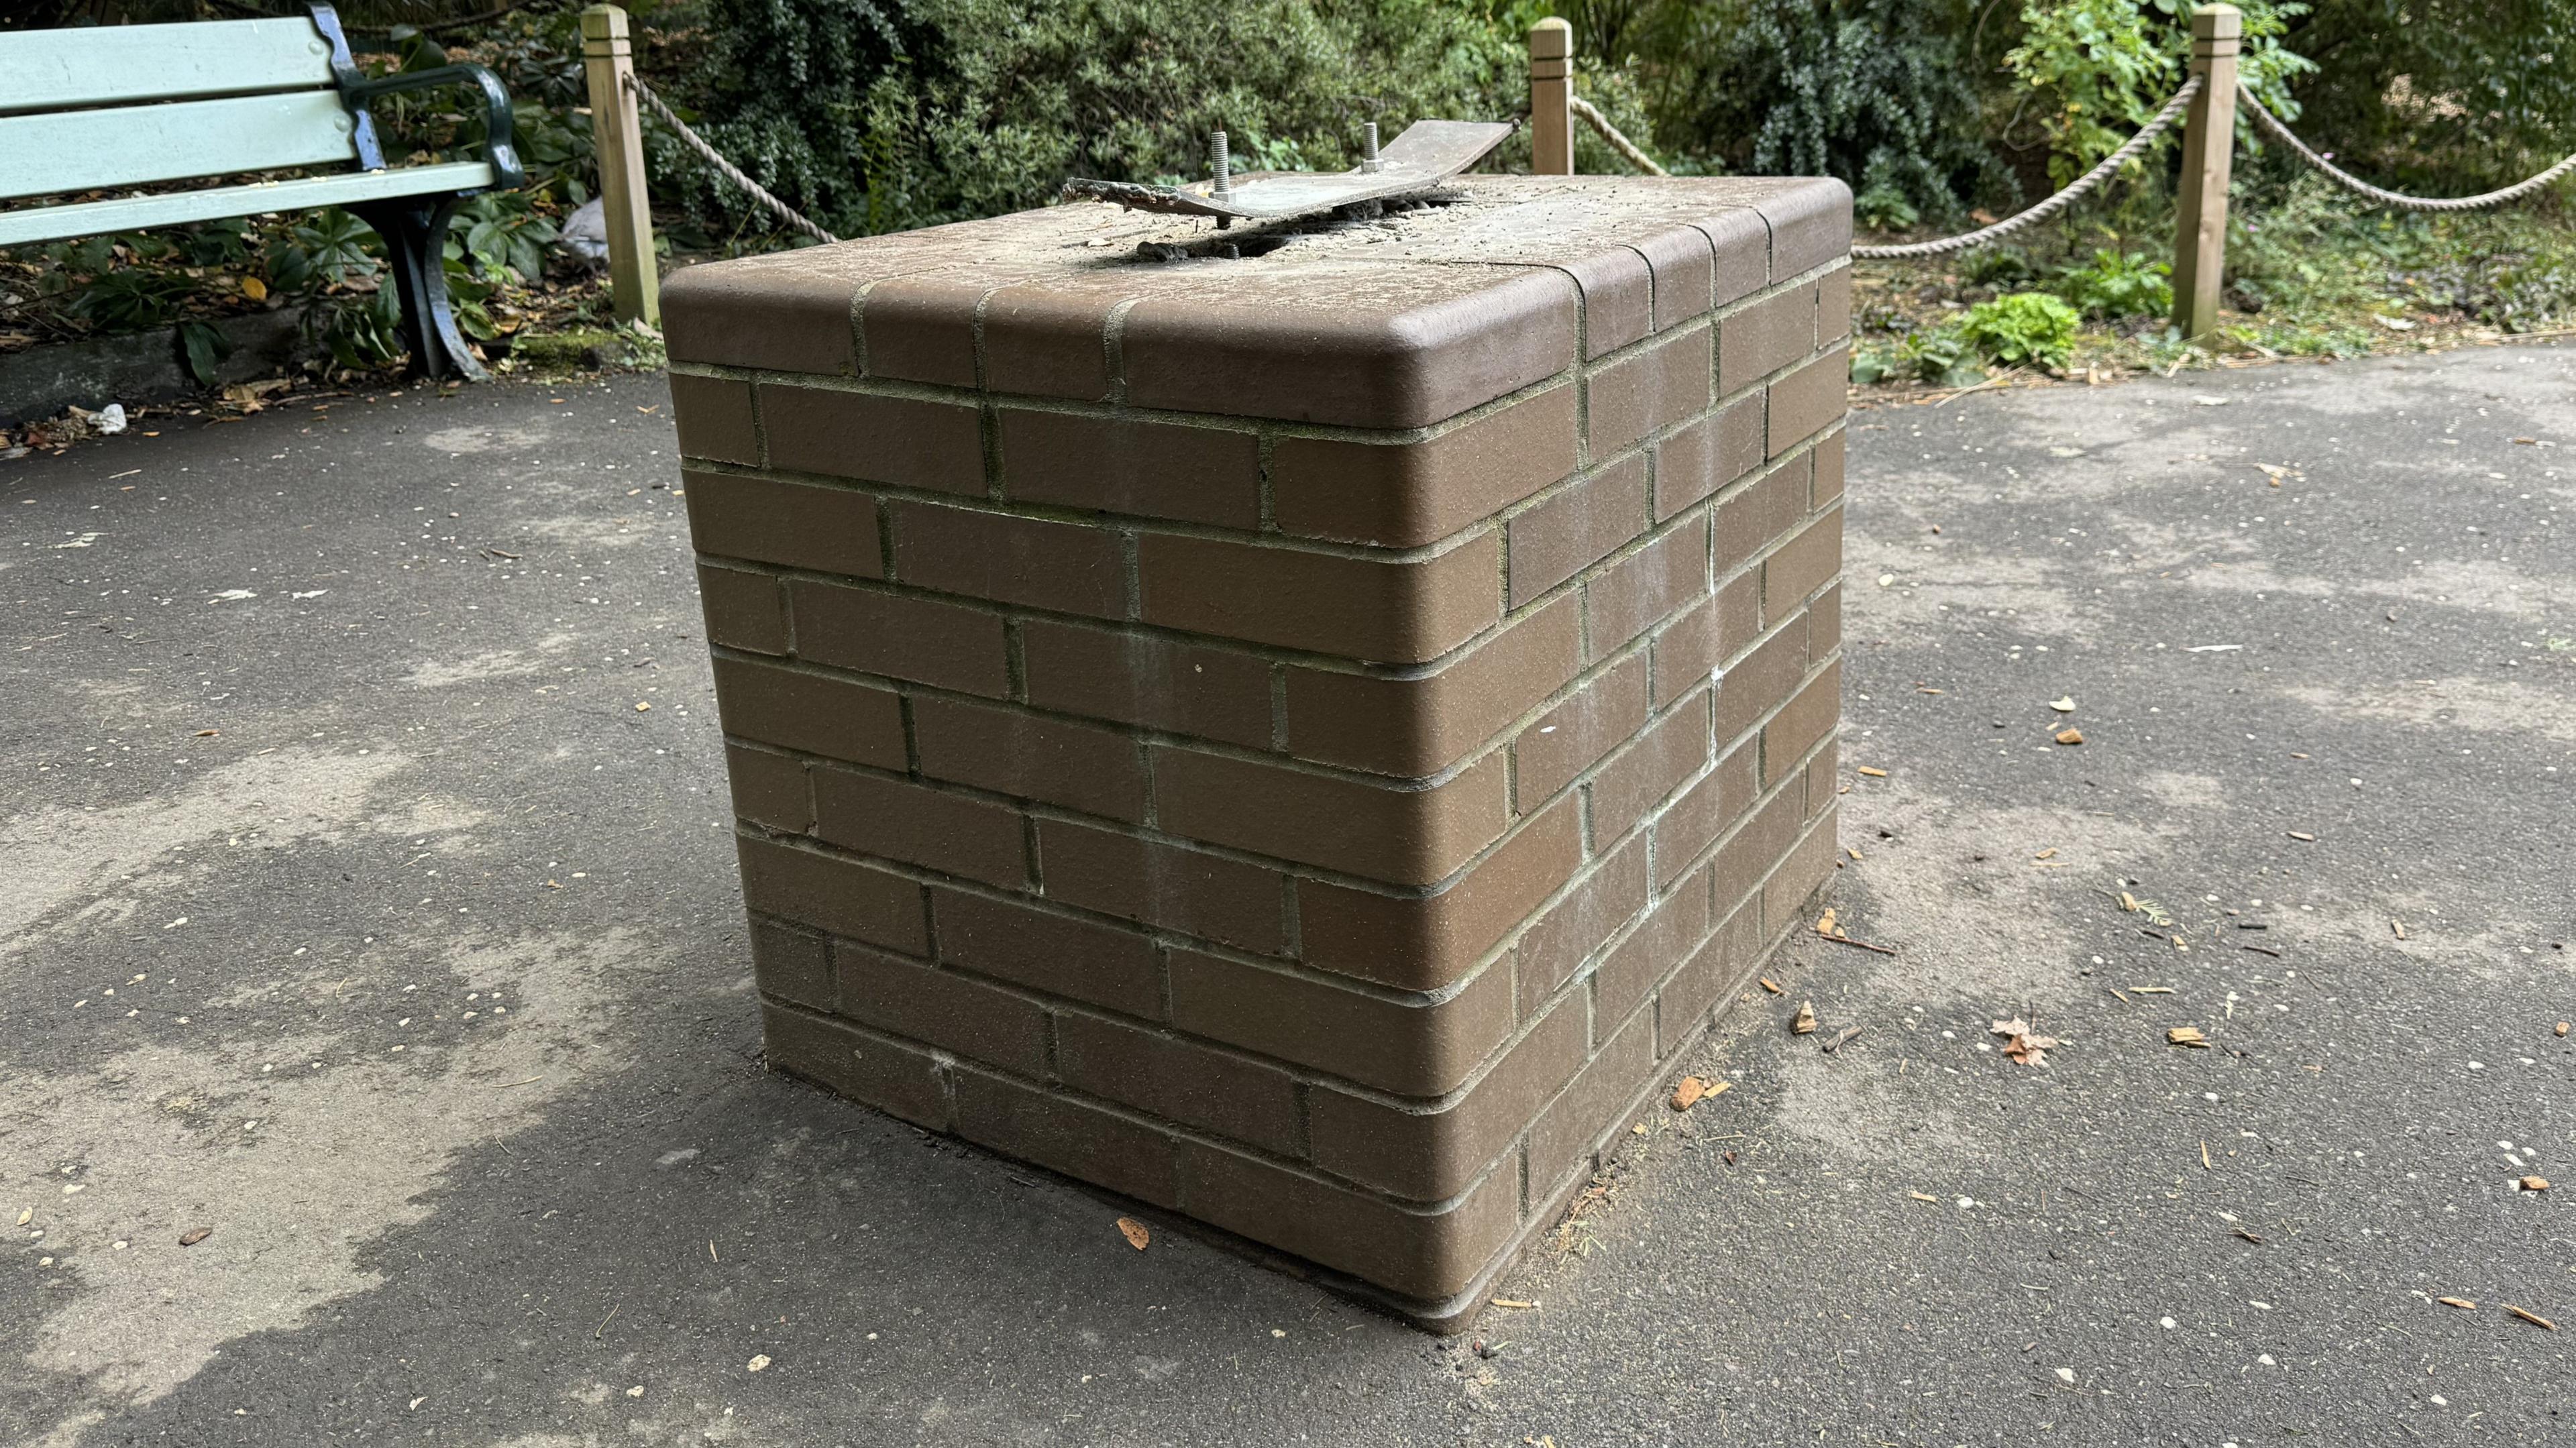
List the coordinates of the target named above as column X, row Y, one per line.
column 1882, row 206
column 1942, row 355
column 503, row 232
column 2116, row 284
column 2022, row 328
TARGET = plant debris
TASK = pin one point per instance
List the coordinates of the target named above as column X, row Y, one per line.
column 1693, row 1090
column 2534, row 1318
column 2462, row 1303
column 2070, row 736
column 1805, row 1021
column 2533, row 1184
column 194, row 1235
column 2022, row 1043
column 1135, row 1232
column 2187, row 1036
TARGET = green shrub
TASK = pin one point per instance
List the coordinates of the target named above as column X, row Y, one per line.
column 2022, row 328
column 2102, row 68
column 2116, row 284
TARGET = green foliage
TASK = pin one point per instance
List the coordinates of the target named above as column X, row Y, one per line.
column 2102, row 68
column 204, row 346
column 134, row 299
column 2444, row 96
column 2117, row 284
column 2022, row 328
column 1942, row 355
column 503, row 231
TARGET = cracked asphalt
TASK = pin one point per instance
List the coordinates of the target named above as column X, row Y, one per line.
column 366, row 902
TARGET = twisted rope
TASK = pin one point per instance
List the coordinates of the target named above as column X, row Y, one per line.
column 2054, row 204
column 1610, row 133
column 2272, row 125
column 723, row 167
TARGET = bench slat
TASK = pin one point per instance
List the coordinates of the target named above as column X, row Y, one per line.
column 48, row 70
column 85, row 150
column 137, row 213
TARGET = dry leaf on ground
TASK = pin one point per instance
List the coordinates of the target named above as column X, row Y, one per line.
column 1135, row 1232
column 1806, row 1019
column 194, row 1235
column 2022, row 1044
column 2187, row 1036
column 2070, row 736
column 1687, row 1094
column 2534, row 1184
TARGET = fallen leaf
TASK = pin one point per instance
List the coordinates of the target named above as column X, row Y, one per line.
column 1825, row 923
column 2461, row 1303
column 2063, row 704
column 2534, row 1318
column 254, row 288
column 1806, row 1019
column 2534, row 1184
column 194, row 1235
column 1687, row 1094
column 2070, row 736
column 2187, row 1036
column 1873, row 773
column 2021, row 1044
column 1771, row 986
column 1135, row 1232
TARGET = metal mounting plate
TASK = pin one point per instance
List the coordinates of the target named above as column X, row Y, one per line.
column 1428, row 153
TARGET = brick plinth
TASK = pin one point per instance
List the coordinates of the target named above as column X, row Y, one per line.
column 1303, row 740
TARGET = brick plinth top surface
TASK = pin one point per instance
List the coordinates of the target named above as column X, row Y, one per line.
column 1301, row 739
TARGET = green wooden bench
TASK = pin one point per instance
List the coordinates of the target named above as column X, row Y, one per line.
column 112, row 107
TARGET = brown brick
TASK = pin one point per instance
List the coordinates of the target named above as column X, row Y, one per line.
column 1829, row 469
column 1658, row 947
column 1761, row 681
column 1638, row 778
column 1552, row 951
column 1802, row 565
column 1404, row 494
column 1807, row 868
column 894, row 1079
column 1136, row 677
column 1180, row 1080
column 1682, row 1007
column 900, row 440
column 1425, row 1255
column 714, row 416
column 791, row 964
column 1833, row 305
column 1758, row 514
column 1822, row 779
column 1028, row 756
column 1572, row 737
column 1429, row 1155
column 1801, row 724
column 830, row 893
column 1043, row 342
column 744, row 610
column 774, row 314
column 1424, row 1048
column 1705, row 811
column 1065, row 567
column 1809, row 400
column 1741, row 245
column 812, row 712
column 1684, row 270
column 1366, row 608
column 1427, row 720
column 1765, row 337
column 1576, row 527
column 1400, row 836
column 1825, row 622
column 1123, row 465
column 1810, row 226
column 769, row 789
column 897, row 820
column 1646, row 587
column 1080, row 1140
column 1163, row 885
column 1646, row 391
column 1706, row 635
column 1707, row 454
column 938, row 1008
column 1618, row 298
column 1273, row 345
column 901, row 636
column 1568, row 1134
column 800, row 525
column 1744, row 860
column 1422, row 942
column 1045, row 951
column 921, row 329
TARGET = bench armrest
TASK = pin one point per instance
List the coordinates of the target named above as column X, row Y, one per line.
column 507, row 174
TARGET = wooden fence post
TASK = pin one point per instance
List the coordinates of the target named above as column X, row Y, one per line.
column 1551, row 57
column 2208, row 149
column 634, row 277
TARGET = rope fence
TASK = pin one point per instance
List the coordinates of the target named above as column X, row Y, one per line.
column 720, row 165
column 2271, row 125
column 1629, row 150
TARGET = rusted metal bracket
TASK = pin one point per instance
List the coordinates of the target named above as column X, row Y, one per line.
column 1428, row 153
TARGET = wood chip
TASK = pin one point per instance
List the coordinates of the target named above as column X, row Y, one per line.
column 2128, row 901
column 1805, row 1020
column 1136, row 1233
column 1843, row 1039
column 1773, row 987
column 2187, row 1036
column 2248, row 1236
column 2303, row 835
column 2399, row 926
column 1855, row 854
column 2070, row 736
column 2047, row 854
column 194, row 1235
column 2534, row 1184
column 1687, row 1094
column 2562, row 1028
column 1514, row 1303
column 1873, row 773
column 2151, row 989
column 1924, row 1197
column 2534, row 1318
column 2461, row 1303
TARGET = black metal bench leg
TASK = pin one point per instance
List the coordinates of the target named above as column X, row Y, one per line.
column 415, row 235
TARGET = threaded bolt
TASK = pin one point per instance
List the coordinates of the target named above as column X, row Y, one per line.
column 1221, row 164
column 1368, row 146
